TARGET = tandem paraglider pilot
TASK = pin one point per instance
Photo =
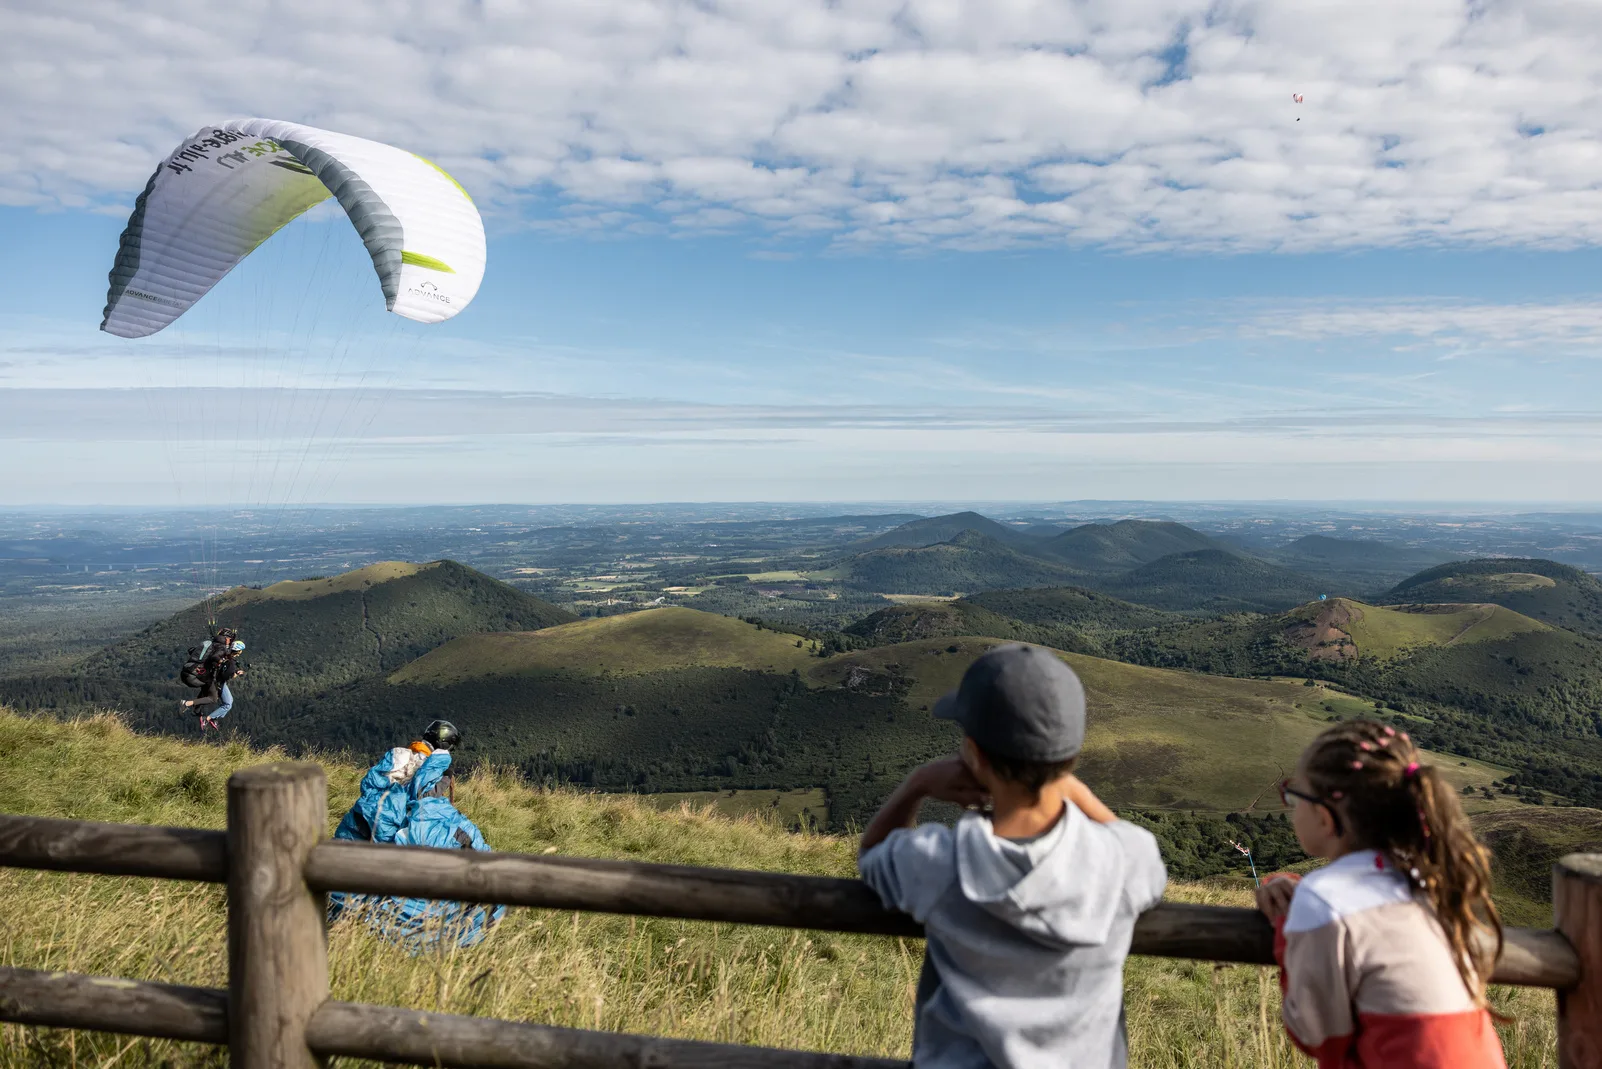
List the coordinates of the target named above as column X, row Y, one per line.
column 408, row 799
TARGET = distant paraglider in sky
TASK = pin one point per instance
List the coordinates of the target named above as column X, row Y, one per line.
column 1298, row 98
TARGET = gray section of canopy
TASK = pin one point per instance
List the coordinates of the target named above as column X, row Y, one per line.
column 127, row 264
column 381, row 231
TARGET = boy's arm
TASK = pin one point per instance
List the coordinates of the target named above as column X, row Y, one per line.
column 1074, row 790
column 947, row 780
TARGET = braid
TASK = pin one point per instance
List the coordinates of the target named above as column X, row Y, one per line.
column 1407, row 811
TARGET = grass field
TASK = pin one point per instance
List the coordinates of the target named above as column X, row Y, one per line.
column 306, row 589
column 1158, row 738
column 1384, row 633
column 791, row 809
column 1521, row 839
column 634, row 643
column 736, row 984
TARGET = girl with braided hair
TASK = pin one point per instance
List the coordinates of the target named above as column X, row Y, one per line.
column 1385, row 952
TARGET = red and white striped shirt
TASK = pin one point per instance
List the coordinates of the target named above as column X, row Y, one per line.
column 1368, row 976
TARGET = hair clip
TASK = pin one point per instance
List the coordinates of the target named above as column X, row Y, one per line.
column 1411, row 770
column 1365, row 746
column 1358, row 765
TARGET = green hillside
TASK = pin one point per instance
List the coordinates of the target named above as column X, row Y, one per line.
column 1475, row 680
column 637, row 643
column 1553, row 593
column 1083, row 610
column 952, row 619
column 737, row 984
column 1524, row 843
column 1341, row 627
column 1066, row 618
column 971, row 561
column 1117, row 547
column 1212, row 580
column 927, row 532
column 305, row 640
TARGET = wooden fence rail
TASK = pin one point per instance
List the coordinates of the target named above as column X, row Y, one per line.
column 278, row 865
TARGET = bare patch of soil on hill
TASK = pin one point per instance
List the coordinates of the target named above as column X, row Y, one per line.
column 1323, row 635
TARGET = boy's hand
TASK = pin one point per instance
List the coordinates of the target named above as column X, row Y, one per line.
column 1274, row 895
column 1074, row 790
column 948, row 780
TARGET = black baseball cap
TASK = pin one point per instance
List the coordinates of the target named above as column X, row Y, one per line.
column 1020, row 702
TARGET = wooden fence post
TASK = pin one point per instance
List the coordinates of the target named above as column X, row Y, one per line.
column 1577, row 910
column 277, row 943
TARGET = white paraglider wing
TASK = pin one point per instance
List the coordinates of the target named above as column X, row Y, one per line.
column 232, row 186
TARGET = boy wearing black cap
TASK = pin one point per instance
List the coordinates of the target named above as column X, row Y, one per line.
column 1028, row 910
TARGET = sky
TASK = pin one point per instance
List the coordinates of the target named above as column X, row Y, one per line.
column 785, row 250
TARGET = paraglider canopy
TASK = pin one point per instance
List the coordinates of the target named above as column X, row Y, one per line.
column 229, row 188
column 1296, row 97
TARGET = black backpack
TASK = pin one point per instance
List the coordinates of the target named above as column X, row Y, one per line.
column 195, row 672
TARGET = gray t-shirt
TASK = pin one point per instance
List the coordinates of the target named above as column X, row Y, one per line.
column 1025, row 940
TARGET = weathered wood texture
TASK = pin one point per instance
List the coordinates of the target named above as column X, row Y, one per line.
column 277, row 943
column 113, row 849
column 407, row 1036
column 100, row 1004
column 1577, row 905
column 383, row 1033
column 1176, row 930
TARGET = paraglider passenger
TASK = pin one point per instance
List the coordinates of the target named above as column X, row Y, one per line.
column 216, row 665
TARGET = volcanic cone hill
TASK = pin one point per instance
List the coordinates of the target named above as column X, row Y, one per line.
column 1212, row 580
column 934, row 529
column 1066, row 618
column 304, row 639
column 1551, row 592
column 1117, row 547
column 968, row 562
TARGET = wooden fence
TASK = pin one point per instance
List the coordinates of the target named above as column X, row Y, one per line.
column 277, row 864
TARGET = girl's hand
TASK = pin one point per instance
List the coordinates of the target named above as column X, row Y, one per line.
column 1274, row 895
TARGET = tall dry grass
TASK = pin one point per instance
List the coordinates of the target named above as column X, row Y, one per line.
column 702, row 981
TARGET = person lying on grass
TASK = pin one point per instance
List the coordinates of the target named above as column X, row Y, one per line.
column 1028, row 908
column 1385, row 952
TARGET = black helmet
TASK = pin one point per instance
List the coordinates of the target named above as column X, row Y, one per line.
column 442, row 735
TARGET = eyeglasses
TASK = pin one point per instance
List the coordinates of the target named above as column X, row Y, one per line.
column 1287, row 792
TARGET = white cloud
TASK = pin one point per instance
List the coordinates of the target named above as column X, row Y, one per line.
column 1572, row 326
column 1128, row 123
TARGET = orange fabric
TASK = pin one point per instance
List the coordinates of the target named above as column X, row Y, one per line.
column 422, row 747
column 1432, row 1041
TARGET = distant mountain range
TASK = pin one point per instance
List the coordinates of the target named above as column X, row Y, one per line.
column 1159, row 564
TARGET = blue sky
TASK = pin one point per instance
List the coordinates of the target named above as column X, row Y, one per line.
column 860, row 251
